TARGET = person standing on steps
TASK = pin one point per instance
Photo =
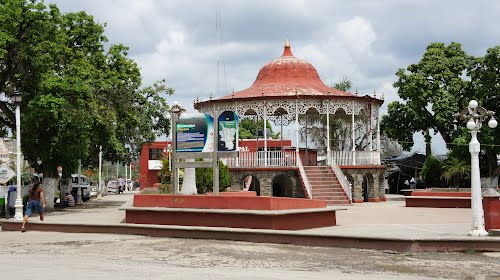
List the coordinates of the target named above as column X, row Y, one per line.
column 36, row 195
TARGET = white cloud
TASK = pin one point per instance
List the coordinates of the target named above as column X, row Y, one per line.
column 357, row 34
column 364, row 40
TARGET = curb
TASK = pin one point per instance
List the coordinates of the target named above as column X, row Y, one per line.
column 268, row 236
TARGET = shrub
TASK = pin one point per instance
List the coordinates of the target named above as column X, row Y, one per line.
column 431, row 172
column 204, row 179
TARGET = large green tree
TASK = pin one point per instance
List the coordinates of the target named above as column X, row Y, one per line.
column 439, row 85
column 78, row 94
column 431, row 91
column 248, row 127
column 485, row 78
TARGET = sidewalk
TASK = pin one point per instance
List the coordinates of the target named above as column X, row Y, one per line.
column 386, row 225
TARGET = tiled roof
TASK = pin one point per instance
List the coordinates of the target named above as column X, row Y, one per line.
column 287, row 76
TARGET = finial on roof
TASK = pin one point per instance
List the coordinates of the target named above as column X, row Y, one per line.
column 288, row 50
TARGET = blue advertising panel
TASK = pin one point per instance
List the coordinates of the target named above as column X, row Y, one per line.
column 228, row 127
column 194, row 133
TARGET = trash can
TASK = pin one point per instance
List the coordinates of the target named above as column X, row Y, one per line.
column 491, row 206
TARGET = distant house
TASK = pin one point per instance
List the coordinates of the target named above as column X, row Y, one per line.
column 403, row 171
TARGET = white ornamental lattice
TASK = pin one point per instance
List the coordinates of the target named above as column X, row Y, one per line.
column 269, row 107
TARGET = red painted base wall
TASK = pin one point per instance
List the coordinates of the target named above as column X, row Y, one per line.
column 294, row 221
column 447, row 194
column 225, row 202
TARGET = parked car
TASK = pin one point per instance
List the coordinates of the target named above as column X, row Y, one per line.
column 93, row 191
column 112, row 186
column 84, row 185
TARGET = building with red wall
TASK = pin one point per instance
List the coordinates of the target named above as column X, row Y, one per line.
column 151, row 154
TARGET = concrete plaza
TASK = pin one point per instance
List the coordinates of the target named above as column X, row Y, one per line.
column 385, row 225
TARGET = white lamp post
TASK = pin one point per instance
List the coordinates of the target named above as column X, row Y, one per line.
column 99, row 187
column 474, row 116
column 17, row 98
column 169, row 152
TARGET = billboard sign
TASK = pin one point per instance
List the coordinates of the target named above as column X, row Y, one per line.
column 194, row 133
column 6, row 173
column 228, row 127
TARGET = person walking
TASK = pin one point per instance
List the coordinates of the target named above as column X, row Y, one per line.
column 120, row 185
column 36, row 195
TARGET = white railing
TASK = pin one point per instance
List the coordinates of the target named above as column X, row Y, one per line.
column 304, row 177
column 346, row 185
column 262, row 159
column 356, row 157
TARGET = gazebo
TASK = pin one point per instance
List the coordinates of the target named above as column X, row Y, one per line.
column 287, row 91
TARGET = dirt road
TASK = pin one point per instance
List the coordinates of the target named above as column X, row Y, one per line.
column 46, row 255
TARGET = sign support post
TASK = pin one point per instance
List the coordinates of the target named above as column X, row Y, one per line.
column 215, row 158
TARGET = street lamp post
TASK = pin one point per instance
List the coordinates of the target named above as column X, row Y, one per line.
column 169, row 152
column 99, row 187
column 474, row 116
column 17, row 98
column 79, row 199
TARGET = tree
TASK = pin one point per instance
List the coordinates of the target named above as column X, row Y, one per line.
column 432, row 91
column 165, row 174
column 455, row 170
column 431, row 172
column 340, row 127
column 344, row 84
column 204, row 179
column 77, row 96
column 485, row 78
column 247, row 128
column 389, row 147
column 436, row 88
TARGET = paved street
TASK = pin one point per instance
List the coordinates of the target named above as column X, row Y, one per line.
column 46, row 255
column 50, row 255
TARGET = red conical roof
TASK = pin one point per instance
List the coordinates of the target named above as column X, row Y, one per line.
column 287, row 76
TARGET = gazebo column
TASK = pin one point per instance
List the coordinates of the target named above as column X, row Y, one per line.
column 257, row 163
column 328, row 152
column 371, row 129
column 353, row 137
column 265, row 135
column 237, row 136
column 378, row 132
column 297, row 131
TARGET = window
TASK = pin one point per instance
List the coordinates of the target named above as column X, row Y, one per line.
column 155, row 154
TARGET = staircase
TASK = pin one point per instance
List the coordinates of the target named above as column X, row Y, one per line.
column 325, row 185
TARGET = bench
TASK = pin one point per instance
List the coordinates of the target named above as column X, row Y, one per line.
column 439, row 199
column 407, row 192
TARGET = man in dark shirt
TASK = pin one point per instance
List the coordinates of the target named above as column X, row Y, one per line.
column 35, row 195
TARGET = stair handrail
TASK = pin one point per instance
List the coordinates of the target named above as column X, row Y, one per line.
column 304, row 176
column 344, row 183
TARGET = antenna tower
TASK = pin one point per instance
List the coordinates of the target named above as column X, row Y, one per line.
column 221, row 66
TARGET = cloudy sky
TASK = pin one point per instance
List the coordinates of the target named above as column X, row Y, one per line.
column 367, row 41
